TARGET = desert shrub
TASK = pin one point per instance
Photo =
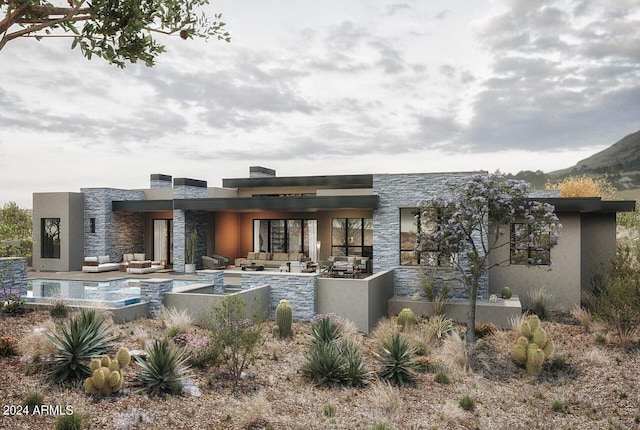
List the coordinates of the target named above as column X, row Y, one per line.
column 175, row 321
column 69, row 422
column 33, row 399
column 84, row 337
column 484, row 330
column 618, row 292
column 201, row 352
column 396, row 358
column 584, row 186
column 329, row 410
column 560, row 404
column 426, row 285
column 381, row 425
column 163, row 370
column 539, row 300
column 235, row 335
column 8, row 346
column 59, row 310
column 442, row 377
column 467, row 402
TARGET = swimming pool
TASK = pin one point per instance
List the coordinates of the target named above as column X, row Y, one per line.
column 115, row 293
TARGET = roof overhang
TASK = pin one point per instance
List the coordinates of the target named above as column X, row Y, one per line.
column 301, row 203
column 142, row 205
column 331, row 181
column 589, row 204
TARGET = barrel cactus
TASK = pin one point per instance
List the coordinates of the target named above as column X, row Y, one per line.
column 532, row 347
column 506, row 293
column 406, row 318
column 284, row 317
column 106, row 374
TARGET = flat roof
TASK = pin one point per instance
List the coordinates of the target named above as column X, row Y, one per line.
column 589, row 204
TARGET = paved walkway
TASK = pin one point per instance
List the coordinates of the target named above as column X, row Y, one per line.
column 105, row 276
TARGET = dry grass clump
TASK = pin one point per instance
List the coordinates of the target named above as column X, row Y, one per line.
column 454, row 355
column 383, row 330
column 255, row 412
column 583, row 316
column 351, row 332
column 385, row 400
column 515, row 322
column 175, row 321
column 596, row 356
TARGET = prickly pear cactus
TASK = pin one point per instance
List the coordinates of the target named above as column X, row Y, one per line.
column 284, row 317
column 106, row 374
column 532, row 347
column 406, row 318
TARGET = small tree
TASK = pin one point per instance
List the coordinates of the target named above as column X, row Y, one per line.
column 118, row 31
column 15, row 231
column 471, row 223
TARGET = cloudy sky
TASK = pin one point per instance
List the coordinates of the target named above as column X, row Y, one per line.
column 330, row 87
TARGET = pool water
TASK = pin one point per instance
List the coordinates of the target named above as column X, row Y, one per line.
column 113, row 294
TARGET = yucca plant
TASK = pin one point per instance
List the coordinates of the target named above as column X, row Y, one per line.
column 355, row 367
column 84, row 337
column 325, row 364
column 163, row 370
column 396, row 358
column 325, row 330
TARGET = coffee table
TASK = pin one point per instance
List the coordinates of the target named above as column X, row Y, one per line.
column 252, row 266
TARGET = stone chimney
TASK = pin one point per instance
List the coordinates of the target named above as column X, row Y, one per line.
column 160, row 181
column 261, row 172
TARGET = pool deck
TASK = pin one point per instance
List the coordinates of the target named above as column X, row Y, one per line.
column 107, row 276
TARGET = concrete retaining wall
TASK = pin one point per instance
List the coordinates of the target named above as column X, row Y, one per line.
column 496, row 313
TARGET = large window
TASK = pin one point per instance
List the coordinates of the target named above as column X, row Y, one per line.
column 528, row 248
column 412, row 221
column 50, row 234
column 285, row 235
column 163, row 240
column 352, row 236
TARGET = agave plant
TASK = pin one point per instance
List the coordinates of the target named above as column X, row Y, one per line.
column 83, row 338
column 355, row 367
column 396, row 359
column 163, row 370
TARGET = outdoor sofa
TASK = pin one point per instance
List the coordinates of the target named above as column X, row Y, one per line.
column 214, row 262
column 270, row 260
column 137, row 263
column 101, row 263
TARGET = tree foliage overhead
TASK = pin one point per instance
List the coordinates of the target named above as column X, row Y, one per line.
column 119, row 31
column 15, row 231
column 474, row 216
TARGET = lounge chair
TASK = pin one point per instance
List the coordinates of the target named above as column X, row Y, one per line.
column 215, row 262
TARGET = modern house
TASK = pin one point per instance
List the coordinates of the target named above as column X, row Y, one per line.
column 372, row 216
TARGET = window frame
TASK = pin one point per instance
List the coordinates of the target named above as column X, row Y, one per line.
column 434, row 257
column 352, row 248
column 524, row 245
column 49, row 249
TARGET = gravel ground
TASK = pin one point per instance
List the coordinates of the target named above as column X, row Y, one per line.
column 593, row 385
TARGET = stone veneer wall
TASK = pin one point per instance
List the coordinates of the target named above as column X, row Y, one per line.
column 215, row 277
column 153, row 291
column 116, row 233
column 299, row 289
column 185, row 222
column 395, row 192
column 13, row 276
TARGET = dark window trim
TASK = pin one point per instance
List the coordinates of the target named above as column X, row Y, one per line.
column 361, row 245
column 440, row 260
column 531, row 249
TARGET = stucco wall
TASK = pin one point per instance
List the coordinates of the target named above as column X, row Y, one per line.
column 598, row 238
column 69, row 208
column 562, row 278
column 363, row 301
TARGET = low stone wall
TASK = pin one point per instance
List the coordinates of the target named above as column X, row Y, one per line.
column 299, row 288
column 153, row 291
column 13, row 276
column 496, row 313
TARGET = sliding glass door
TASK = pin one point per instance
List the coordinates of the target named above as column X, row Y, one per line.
column 163, row 240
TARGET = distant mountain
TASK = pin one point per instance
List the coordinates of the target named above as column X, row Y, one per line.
column 621, row 162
